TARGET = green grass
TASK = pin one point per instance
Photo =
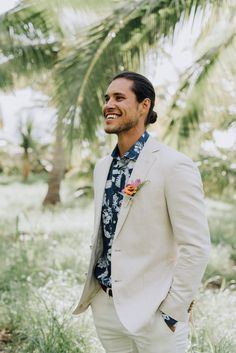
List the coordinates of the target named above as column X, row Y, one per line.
column 222, row 222
column 43, row 257
column 213, row 330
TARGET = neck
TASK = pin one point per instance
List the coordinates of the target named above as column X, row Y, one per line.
column 127, row 140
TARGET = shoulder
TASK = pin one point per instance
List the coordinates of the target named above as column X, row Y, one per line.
column 174, row 157
column 170, row 156
column 170, row 161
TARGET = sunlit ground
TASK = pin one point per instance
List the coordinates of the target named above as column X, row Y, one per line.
column 43, row 258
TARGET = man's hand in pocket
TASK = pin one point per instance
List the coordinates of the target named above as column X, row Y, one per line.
column 170, row 322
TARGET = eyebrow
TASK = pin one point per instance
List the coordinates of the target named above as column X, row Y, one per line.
column 114, row 94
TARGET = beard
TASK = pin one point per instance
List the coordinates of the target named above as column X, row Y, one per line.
column 125, row 126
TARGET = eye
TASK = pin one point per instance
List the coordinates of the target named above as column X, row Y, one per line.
column 119, row 98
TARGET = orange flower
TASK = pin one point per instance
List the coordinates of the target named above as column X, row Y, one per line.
column 131, row 188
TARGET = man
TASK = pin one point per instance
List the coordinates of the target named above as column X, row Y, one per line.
column 151, row 240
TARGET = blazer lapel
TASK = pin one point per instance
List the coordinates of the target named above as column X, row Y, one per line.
column 141, row 168
column 99, row 187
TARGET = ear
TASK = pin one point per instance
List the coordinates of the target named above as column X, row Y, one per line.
column 146, row 103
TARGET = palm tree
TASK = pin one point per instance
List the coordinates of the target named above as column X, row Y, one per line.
column 27, row 143
column 31, row 38
column 120, row 41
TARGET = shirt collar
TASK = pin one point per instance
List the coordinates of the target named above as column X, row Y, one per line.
column 134, row 151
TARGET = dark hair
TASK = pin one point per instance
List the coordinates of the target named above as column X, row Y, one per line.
column 142, row 88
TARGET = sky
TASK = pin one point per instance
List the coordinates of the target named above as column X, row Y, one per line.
column 24, row 103
column 6, row 5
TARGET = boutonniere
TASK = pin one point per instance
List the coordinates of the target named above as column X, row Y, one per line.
column 133, row 187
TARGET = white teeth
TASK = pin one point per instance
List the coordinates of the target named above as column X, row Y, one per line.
column 112, row 116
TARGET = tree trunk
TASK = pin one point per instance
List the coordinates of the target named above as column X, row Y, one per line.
column 57, row 173
column 1, row 119
column 26, row 168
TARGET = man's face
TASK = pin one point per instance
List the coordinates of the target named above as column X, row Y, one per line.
column 121, row 110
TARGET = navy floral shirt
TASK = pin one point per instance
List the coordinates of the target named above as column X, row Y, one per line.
column 118, row 176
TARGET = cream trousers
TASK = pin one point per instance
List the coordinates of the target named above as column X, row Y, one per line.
column 156, row 337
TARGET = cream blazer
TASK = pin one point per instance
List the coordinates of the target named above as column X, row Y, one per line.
column 161, row 244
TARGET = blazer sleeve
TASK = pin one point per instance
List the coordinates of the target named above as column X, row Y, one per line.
column 185, row 203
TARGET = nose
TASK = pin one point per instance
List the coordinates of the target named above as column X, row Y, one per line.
column 109, row 103
column 108, row 106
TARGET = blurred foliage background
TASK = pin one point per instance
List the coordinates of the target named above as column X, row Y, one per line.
column 68, row 51
column 58, row 56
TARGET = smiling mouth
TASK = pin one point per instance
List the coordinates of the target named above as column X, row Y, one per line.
column 112, row 116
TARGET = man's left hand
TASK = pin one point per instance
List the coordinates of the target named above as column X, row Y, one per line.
column 170, row 322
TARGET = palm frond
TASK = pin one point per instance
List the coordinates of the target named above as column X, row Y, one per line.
column 28, row 43
column 201, row 87
column 26, row 62
column 76, row 4
column 120, row 42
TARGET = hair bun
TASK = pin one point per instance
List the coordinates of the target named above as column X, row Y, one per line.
column 152, row 117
